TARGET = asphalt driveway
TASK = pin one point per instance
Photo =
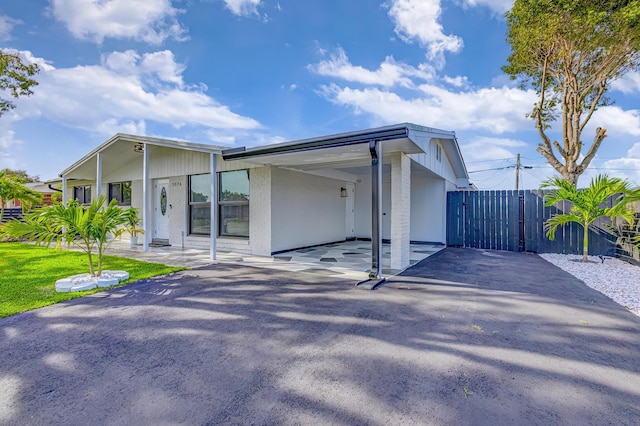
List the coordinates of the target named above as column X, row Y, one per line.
column 465, row 337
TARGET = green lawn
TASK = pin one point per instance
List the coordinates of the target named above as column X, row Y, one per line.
column 28, row 274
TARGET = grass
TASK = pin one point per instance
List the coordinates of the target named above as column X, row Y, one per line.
column 28, row 274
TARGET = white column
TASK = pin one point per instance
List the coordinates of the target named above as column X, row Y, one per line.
column 98, row 175
column 400, row 211
column 260, row 225
column 146, row 186
column 64, row 190
column 213, row 230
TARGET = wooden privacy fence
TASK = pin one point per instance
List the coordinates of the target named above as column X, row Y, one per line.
column 8, row 214
column 514, row 221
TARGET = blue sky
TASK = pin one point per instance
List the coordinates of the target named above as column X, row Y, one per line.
column 252, row 72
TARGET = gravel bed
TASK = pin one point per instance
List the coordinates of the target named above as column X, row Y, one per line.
column 614, row 278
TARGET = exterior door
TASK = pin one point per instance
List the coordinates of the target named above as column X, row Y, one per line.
column 161, row 209
column 350, row 212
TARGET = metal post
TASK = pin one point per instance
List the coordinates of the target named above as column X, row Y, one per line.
column 145, row 198
column 518, row 172
column 213, row 229
column 375, row 276
column 376, row 210
column 98, row 175
column 64, row 190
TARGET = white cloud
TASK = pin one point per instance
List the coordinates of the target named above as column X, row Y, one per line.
column 628, row 167
column 496, row 110
column 390, row 72
column 160, row 65
column 629, row 83
column 8, row 145
column 244, row 7
column 419, row 20
column 489, row 148
column 124, row 92
column 458, row 81
column 6, row 26
column 497, row 6
column 615, row 120
column 151, row 21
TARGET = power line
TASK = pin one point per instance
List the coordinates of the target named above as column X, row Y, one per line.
column 487, row 161
column 488, row 170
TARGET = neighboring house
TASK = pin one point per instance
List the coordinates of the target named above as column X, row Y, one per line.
column 279, row 197
column 41, row 187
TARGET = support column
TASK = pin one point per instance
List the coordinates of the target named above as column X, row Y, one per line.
column 98, row 175
column 376, row 210
column 213, row 229
column 400, row 211
column 260, row 224
column 64, row 190
column 146, row 186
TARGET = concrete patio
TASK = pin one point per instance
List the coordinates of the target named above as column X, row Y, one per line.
column 349, row 259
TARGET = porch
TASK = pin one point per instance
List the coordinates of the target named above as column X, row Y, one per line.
column 349, row 259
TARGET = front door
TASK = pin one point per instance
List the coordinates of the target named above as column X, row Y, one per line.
column 161, row 209
column 350, row 212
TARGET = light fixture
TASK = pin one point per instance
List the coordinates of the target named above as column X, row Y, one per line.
column 138, row 147
column 343, row 192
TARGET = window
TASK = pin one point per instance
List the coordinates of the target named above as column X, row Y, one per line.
column 438, row 152
column 200, row 204
column 121, row 191
column 233, row 203
column 82, row 194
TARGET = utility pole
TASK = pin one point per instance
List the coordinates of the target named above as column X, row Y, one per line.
column 517, row 172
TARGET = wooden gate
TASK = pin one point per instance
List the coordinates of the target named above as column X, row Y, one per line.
column 514, row 221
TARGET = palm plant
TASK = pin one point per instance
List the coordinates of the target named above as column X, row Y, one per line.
column 587, row 204
column 85, row 227
column 11, row 188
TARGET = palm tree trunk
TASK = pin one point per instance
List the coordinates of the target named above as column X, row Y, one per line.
column 99, row 259
column 585, row 242
column 91, row 271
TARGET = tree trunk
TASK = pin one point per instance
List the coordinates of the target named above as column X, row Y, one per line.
column 585, row 243
column 99, row 261
column 91, row 271
column 570, row 177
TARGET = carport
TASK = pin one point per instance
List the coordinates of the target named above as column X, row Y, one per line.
column 368, row 159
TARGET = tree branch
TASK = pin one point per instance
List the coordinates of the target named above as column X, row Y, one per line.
column 601, row 133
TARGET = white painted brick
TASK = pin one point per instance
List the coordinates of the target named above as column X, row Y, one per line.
column 260, row 211
column 400, row 211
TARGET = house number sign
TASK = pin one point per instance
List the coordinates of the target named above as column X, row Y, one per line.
column 163, row 201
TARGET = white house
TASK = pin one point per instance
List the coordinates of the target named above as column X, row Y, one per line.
column 382, row 183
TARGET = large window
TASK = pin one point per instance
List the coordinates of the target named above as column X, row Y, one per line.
column 82, row 194
column 200, row 204
column 233, row 203
column 121, row 191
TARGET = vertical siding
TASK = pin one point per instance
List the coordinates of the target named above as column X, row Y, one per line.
column 514, row 221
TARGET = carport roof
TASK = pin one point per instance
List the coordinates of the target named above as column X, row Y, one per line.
column 333, row 150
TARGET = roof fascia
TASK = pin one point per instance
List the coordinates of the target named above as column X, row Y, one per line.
column 331, row 141
column 167, row 143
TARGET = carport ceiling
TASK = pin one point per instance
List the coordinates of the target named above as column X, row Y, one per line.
column 335, row 157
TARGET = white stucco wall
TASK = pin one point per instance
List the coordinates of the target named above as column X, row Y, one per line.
column 306, row 210
column 363, row 205
column 428, row 204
